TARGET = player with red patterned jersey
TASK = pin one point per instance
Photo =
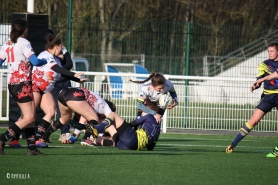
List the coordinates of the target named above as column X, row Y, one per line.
column 84, row 102
column 44, row 78
column 19, row 54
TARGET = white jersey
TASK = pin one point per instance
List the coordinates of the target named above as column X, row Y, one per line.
column 17, row 56
column 95, row 101
column 43, row 76
column 148, row 92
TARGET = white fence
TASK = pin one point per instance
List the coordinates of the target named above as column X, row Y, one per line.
column 206, row 103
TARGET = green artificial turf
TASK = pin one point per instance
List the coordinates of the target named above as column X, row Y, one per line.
column 177, row 159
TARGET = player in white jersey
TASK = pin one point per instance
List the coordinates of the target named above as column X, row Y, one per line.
column 44, row 78
column 84, row 102
column 19, row 54
column 153, row 87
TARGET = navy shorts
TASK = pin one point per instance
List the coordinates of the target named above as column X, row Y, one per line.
column 267, row 102
column 22, row 92
column 71, row 94
column 128, row 140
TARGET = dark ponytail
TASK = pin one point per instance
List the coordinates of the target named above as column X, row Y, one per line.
column 18, row 28
column 157, row 79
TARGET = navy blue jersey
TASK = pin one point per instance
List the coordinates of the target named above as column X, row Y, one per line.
column 266, row 68
column 150, row 126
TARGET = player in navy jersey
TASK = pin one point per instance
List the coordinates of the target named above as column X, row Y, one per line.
column 271, row 77
column 153, row 87
column 269, row 97
column 142, row 133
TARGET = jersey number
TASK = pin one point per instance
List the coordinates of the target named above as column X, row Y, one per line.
column 10, row 53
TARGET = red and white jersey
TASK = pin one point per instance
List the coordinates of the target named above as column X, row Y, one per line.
column 95, row 101
column 17, row 56
column 44, row 78
column 147, row 90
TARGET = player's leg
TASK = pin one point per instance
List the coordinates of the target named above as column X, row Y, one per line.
column 47, row 104
column 267, row 102
column 246, row 129
column 66, row 114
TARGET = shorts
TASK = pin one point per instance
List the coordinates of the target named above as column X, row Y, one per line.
column 128, row 140
column 21, row 92
column 267, row 102
column 71, row 94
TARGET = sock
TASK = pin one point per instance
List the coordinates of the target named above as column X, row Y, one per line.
column 92, row 122
column 244, row 131
column 107, row 142
column 55, row 126
column 116, row 137
column 43, row 125
column 104, row 125
column 12, row 131
column 79, row 126
column 16, row 137
column 87, row 135
column 30, row 135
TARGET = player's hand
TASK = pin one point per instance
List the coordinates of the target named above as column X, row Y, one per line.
column 158, row 118
column 82, row 80
column 172, row 105
column 78, row 74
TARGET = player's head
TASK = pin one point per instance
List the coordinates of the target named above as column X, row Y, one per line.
column 273, row 51
column 54, row 44
column 152, row 105
column 19, row 28
column 158, row 81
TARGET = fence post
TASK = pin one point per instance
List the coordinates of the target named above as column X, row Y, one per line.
column 187, row 71
column 69, row 24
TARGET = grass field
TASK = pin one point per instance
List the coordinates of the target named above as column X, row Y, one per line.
column 177, row 159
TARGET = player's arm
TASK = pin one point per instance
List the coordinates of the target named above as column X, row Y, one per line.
column 66, row 73
column 37, row 62
column 68, row 61
column 141, row 106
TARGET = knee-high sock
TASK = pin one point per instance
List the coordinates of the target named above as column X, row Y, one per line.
column 55, row 126
column 42, row 127
column 244, row 131
column 12, row 131
column 30, row 135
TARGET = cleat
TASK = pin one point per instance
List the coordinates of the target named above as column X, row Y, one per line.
column 274, row 153
column 34, row 152
column 41, row 144
column 72, row 140
column 87, row 142
column 2, row 146
column 60, row 138
column 15, row 144
column 229, row 149
column 65, row 138
column 91, row 128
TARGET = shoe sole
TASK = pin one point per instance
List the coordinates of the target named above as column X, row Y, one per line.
column 86, row 144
